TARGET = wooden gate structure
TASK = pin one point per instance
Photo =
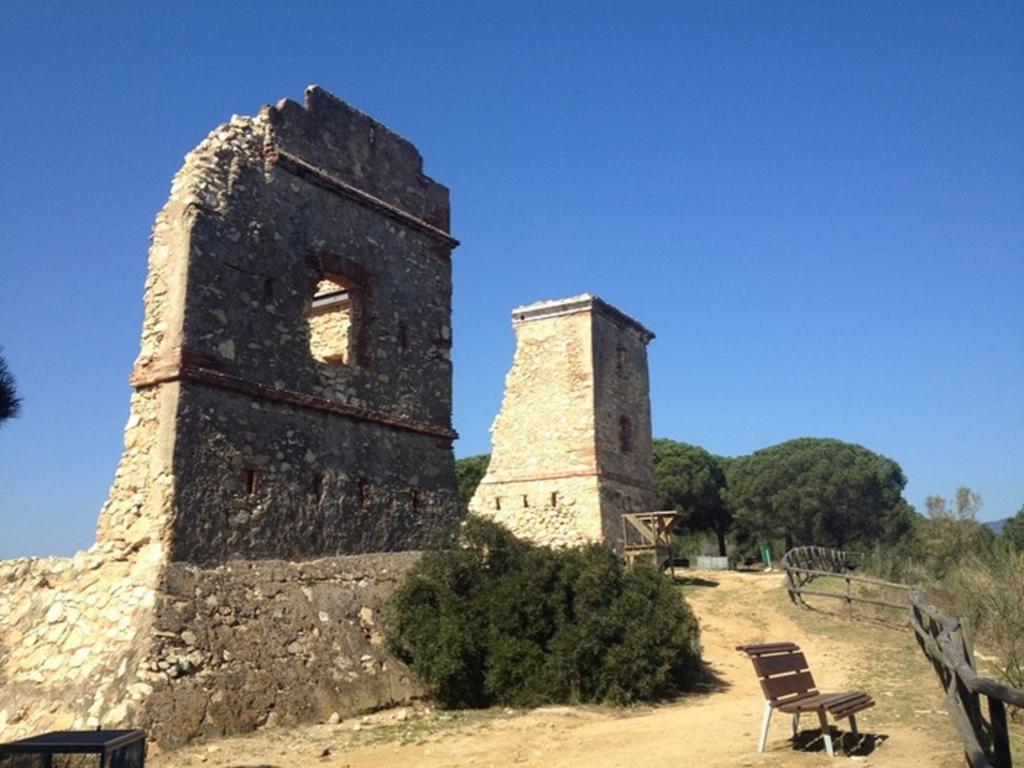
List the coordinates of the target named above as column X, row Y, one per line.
column 649, row 534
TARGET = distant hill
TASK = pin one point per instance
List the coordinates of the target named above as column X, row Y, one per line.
column 997, row 525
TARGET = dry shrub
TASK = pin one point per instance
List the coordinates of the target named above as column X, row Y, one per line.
column 996, row 588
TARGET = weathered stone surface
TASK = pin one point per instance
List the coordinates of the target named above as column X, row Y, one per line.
column 228, row 586
column 572, row 445
column 240, row 641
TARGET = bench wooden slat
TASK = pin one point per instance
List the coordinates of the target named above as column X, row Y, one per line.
column 844, row 698
column 810, row 703
column 776, row 688
column 853, row 708
column 756, row 649
column 817, row 701
column 767, row 666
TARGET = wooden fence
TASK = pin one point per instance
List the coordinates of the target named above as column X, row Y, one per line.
column 986, row 740
column 804, row 565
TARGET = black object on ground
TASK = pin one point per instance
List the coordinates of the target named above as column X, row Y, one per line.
column 114, row 749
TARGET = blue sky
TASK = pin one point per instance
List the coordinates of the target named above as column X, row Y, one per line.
column 816, row 206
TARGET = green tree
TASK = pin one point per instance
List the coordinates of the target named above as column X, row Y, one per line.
column 10, row 403
column 818, row 491
column 691, row 480
column 1013, row 530
column 468, row 474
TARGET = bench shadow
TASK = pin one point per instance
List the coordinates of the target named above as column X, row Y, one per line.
column 845, row 743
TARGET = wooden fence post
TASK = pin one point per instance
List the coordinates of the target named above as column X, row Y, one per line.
column 1000, row 734
column 849, row 602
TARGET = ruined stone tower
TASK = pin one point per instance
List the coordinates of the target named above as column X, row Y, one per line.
column 295, row 374
column 572, row 445
column 292, row 411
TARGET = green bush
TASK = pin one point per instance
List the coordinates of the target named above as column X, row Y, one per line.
column 495, row 620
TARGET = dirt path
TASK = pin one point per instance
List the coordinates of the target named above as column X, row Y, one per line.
column 717, row 728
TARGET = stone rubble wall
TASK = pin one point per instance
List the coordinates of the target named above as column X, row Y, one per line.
column 207, row 652
column 262, row 642
column 139, row 505
column 526, row 509
column 72, row 634
column 545, row 426
column 620, row 498
column 622, row 389
column 323, row 488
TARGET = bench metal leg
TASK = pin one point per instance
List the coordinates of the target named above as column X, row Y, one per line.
column 764, row 726
column 796, row 724
column 853, row 725
column 826, row 733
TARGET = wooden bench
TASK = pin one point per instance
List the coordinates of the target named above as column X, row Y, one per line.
column 789, row 687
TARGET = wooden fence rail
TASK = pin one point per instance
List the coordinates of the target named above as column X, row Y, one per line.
column 805, row 564
column 985, row 738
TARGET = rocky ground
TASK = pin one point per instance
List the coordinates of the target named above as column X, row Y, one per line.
column 714, row 727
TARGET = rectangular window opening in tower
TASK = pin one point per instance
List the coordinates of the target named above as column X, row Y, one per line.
column 332, row 320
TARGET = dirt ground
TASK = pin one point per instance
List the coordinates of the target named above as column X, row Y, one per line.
column 718, row 727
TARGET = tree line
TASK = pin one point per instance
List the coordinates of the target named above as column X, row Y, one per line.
column 804, row 491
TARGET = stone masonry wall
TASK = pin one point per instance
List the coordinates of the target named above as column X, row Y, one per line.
column 252, row 643
column 73, row 632
column 321, row 490
column 622, row 403
column 572, row 444
column 208, row 652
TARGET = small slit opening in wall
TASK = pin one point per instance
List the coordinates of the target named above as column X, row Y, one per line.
column 554, row 498
column 497, row 503
column 251, row 481
column 268, row 290
column 316, row 488
column 414, row 498
column 625, row 434
column 403, row 335
column 363, row 491
column 526, row 501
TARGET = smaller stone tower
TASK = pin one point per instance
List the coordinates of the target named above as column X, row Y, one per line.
column 571, row 448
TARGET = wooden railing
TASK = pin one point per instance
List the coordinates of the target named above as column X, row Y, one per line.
column 804, row 565
column 986, row 740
